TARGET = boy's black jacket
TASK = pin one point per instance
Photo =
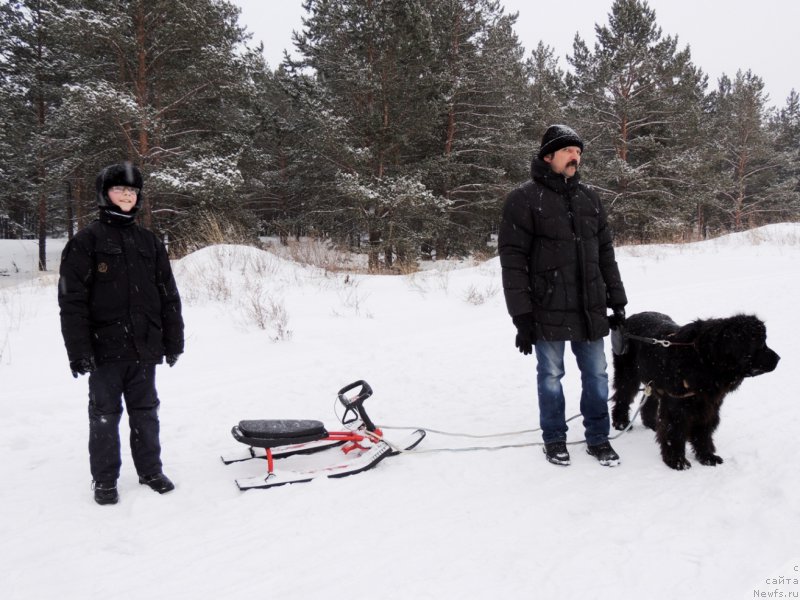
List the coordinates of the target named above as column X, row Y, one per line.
column 118, row 297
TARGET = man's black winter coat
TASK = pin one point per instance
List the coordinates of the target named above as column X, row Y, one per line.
column 118, row 298
column 557, row 257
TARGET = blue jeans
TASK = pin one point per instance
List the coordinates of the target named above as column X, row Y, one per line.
column 591, row 360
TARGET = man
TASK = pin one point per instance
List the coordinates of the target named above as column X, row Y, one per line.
column 120, row 315
column 559, row 278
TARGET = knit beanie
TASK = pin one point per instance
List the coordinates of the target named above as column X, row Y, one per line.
column 557, row 137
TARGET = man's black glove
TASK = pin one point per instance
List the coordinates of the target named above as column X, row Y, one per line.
column 172, row 359
column 617, row 320
column 82, row 366
column 524, row 325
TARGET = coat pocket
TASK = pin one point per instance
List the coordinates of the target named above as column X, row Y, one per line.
column 544, row 286
column 147, row 256
column 155, row 337
column 110, row 341
column 108, row 263
column 596, row 290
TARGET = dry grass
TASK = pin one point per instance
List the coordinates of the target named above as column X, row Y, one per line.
column 476, row 297
column 267, row 312
column 321, row 254
column 212, row 229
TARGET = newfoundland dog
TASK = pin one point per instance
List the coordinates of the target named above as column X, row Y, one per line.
column 687, row 372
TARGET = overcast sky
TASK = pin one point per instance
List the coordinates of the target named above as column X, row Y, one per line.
column 724, row 35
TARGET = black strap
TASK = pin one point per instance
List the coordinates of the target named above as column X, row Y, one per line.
column 657, row 342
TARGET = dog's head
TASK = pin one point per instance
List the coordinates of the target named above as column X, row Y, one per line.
column 764, row 360
column 740, row 346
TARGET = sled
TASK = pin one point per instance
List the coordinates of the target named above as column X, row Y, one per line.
column 354, row 450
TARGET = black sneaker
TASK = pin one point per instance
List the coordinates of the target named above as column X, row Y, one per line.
column 556, row 453
column 105, row 492
column 157, row 482
column 604, row 453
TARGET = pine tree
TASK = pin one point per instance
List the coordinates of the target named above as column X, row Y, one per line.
column 547, row 92
column 159, row 83
column 178, row 65
column 785, row 126
column 485, row 94
column 366, row 107
column 787, row 122
column 33, row 67
column 638, row 102
column 14, row 210
column 407, row 95
column 749, row 189
column 264, row 158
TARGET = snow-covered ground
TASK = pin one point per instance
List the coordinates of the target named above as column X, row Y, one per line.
column 437, row 347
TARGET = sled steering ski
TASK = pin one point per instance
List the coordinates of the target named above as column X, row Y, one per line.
column 357, row 448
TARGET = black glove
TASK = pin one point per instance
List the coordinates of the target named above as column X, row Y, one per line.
column 617, row 320
column 82, row 366
column 524, row 339
column 172, row 359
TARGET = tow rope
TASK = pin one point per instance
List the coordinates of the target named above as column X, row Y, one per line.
column 497, row 435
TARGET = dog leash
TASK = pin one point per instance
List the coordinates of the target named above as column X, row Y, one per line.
column 657, row 342
column 493, row 435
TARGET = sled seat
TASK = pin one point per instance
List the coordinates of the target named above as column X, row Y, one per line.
column 269, row 433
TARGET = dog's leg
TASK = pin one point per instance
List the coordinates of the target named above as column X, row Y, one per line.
column 626, row 384
column 671, row 434
column 705, row 452
column 701, row 439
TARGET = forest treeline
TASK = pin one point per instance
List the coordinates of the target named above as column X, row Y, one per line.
column 397, row 127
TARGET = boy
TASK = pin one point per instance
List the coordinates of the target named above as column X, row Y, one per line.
column 120, row 315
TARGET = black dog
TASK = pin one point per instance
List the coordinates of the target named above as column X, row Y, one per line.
column 688, row 380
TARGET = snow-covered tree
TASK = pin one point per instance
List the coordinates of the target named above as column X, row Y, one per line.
column 172, row 76
column 637, row 99
column 786, row 127
column 485, row 96
column 548, row 98
column 34, row 64
column 408, row 91
column 754, row 183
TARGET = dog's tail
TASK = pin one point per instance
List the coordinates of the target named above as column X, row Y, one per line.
column 626, row 377
column 619, row 340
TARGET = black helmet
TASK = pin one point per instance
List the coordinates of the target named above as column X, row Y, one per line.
column 126, row 174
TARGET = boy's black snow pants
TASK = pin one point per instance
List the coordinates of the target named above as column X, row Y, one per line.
column 108, row 384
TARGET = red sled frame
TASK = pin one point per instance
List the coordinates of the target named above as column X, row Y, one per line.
column 292, row 437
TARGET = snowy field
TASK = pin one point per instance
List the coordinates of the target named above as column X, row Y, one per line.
column 267, row 338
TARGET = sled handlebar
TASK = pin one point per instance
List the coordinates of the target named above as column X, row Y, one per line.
column 355, row 404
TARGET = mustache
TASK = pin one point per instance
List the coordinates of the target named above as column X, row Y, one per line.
column 573, row 163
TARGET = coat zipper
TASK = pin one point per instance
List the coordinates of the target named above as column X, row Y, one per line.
column 581, row 266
